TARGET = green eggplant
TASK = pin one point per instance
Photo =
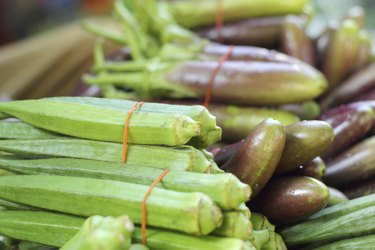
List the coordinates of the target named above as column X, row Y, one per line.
column 256, row 160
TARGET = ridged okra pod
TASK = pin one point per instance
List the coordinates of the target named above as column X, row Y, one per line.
column 99, row 232
column 178, row 158
column 225, row 189
column 56, row 229
column 193, row 213
column 103, row 124
column 235, row 225
column 339, row 222
column 210, row 133
column 21, row 130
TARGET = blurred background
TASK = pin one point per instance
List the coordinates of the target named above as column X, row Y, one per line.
column 44, row 50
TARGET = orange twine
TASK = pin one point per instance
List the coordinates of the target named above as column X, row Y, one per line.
column 143, row 206
column 210, row 83
column 219, row 20
column 136, row 106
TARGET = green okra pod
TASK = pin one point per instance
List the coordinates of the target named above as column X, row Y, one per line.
column 259, row 238
column 235, row 225
column 56, row 229
column 196, row 112
column 103, row 124
column 225, row 189
column 99, row 232
column 193, row 213
column 179, row 158
column 21, row 130
column 366, row 242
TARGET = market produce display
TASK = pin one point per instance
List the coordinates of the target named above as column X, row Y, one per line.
column 221, row 125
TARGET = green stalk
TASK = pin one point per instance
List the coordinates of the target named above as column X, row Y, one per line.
column 99, row 233
column 21, row 130
column 27, row 245
column 138, row 247
column 112, row 35
column 191, row 13
column 57, row 229
column 131, row 30
column 150, row 83
column 193, row 213
column 121, row 66
column 235, row 225
column 178, row 158
column 225, row 189
column 89, row 122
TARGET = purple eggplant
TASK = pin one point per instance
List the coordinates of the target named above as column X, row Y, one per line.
column 288, row 199
column 356, row 85
column 261, row 31
column 294, row 41
column 314, row 169
column 353, row 165
column 360, row 189
column 350, row 124
column 221, row 155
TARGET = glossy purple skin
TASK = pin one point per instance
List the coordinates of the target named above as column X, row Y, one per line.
column 360, row 189
column 353, row 165
column 250, row 82
column 368, row 96
column 247, row 53
column 294, row 41
column 314, row 169
column 262, row 31
column 224, row 153
column 350, row 124
column 256, row 160
column 288, row 199
column 356, row 85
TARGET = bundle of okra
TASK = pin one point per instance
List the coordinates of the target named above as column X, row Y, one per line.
column 65, row 156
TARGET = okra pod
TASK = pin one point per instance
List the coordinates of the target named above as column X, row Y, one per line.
column 261, row 222
column 193, row 213
column 9, row 205
column 88, row 122
column 259, row 238
column 256, row 160
column 288, row 199
column 99, row 232
column 357, row 223
column 275, row 242
column 179, row 158
column 366, row 242
column 21, row 130
column 196, row 112
column 225, row 189
column 235, row 225
column 56, row 229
